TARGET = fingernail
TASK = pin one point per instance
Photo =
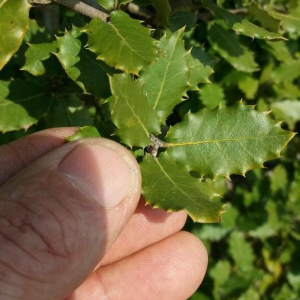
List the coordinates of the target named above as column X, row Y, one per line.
column 107, row 175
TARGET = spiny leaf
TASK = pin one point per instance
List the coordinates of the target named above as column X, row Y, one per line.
column 226, row 141
column 14, row 19
column 228, row 46
column 81, row 65
column 201, row 66
column 240, row 25
column 13, row 116
column 84, row 132
column 169, row 186
column 35, row 55
column 165, row 82
column 131, row 113
column 163, row 10
column 122, row 43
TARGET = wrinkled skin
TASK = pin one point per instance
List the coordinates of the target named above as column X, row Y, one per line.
column 73, row 226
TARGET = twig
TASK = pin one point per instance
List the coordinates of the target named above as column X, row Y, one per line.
column 86, row 9
column 139, row 11
column 156, row 144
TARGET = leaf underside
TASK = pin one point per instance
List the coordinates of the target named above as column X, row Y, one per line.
column 226, row 141
column 122, row 43
column 169, row 186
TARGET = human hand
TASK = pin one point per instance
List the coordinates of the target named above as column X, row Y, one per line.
column 70, row 229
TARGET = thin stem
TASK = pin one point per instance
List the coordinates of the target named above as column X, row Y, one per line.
column 139, row 11
column 84, row 9
column 89, row 8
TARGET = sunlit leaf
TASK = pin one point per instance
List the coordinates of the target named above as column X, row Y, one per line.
column 122, row 43
column 226, row 141
column 169, row 186
column 14, row 19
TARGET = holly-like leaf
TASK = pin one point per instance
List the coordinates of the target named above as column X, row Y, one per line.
column 201, row 66
column 239, row 24
column 122, row 43
column 226, row 141
column 166, row 81
column 13, row 116
column 169, row 186
column 84, row 132
column 81, row 65
column 163, row 11
column 35, row 55
column 14, row 19
column 211, row 95
column 226, row 43
column 287, row 110
column 131, row 113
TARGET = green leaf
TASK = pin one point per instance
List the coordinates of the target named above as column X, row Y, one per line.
column 280, row 51
column 131, row 113
column 287, row 72
column 220, row 272
column 187, row 19
column 279, row 179
column 84, row 132
column 81, row 65
column 108, row 4
column 241, row 251
column 35, row 55
column 240, row 25
column 169, row 186
column 289, row 22
column 287, row 110
column 163, row 11
column 211, row 95
column 67, row 110
column 228, row 46
column 249, row 86
column 201, row 66
column 122, row 43
column 34, row 95
column 14, row 117
column 166, row 81
column 14, row 19
column 263, row 17
column 211, row 232
column 226, row 141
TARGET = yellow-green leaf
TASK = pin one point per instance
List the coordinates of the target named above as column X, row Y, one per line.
column 14, row 20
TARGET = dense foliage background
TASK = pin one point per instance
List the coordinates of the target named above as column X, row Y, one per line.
column 255, row 251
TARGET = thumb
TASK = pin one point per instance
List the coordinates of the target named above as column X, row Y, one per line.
column 61, row 214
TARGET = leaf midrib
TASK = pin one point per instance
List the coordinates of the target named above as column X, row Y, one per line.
column 220, row 140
